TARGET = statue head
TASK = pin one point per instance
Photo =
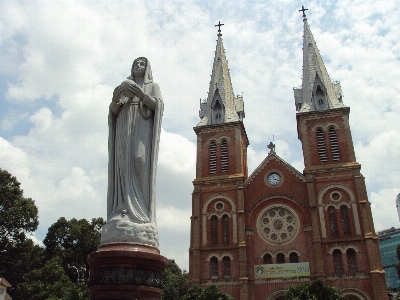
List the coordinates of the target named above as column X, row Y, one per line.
column 141, row 67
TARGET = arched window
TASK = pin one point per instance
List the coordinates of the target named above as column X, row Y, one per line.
column 226, row 262
column 267, row 259
column 334, row 143
column 214, row 267
column 225, row 229
column 224, row 156
column 321, row 145
column 337, row 261
column 280, row 258
column 344, row 213
column 213, row 157
column 351, row 260
column 332, row 221
column 293, row 257
column 214, row 230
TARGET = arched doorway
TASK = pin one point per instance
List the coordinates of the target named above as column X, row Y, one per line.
column 276, row 295
column 354, row 297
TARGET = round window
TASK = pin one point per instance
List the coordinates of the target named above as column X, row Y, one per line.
column 278, row 225
column 219, row 206
column 336, row 196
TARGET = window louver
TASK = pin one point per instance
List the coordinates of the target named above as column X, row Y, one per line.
column 321, row 145
column 334, row 143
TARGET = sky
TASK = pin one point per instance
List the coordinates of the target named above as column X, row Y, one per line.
column 61, row 60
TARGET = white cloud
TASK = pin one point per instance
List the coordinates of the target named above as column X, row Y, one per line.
column 60, row 61
column 383, row 208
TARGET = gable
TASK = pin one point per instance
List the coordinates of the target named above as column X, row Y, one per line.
column 274, row 176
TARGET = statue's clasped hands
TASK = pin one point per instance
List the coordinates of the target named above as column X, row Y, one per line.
column 137, row 90
column 129, row 90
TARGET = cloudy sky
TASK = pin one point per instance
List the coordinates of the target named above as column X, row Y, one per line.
column 60, row 61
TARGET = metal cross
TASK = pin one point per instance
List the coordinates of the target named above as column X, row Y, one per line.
column 219, row 26
column 303, row 10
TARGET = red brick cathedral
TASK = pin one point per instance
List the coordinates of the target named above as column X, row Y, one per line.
column 254, row 235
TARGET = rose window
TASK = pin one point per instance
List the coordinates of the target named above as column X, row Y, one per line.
column 278, row 225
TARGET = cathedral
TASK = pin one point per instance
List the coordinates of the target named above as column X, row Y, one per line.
column 255, row 234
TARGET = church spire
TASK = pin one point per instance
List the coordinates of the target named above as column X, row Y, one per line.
column 317, row 92
column 221, row 106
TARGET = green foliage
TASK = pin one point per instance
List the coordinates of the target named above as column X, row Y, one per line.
column 175, row 287
column 314, row 290
column 76, row 292
column 174, row 282
column 18, row 215
column 73, row 240
column 19, row 260
column 45, row 283
column 210, row 293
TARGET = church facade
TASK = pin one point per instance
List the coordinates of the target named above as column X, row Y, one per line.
column 255, row 234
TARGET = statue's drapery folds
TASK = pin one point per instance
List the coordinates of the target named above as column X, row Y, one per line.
column 134, row 134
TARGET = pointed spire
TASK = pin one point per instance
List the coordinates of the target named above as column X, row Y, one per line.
column 221, row 105
column 317, row 92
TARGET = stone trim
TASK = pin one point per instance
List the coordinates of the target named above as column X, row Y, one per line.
column 343, row 249
column 219, row 215
column 266, row 197
column 352, row 203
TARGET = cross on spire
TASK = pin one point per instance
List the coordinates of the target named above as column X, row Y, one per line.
column 303, row 10
column 219, row 26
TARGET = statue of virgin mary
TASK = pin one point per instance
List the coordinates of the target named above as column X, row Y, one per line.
column 134, row 132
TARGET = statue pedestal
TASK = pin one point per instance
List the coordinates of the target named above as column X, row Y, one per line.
column 126, row 271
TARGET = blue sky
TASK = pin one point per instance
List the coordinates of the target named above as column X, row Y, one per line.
column 60, row 61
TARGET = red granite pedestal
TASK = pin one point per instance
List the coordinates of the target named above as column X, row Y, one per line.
column 126, row 271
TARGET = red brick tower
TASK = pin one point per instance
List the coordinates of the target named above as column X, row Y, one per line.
column 256, row 235
column 345, row 244
column 217, row 222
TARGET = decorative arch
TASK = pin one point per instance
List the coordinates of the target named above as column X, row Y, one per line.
column 219, row 215
column 219, row 196
column 224, row 137
column 217, row 140
column 356, row 293
column 211, row 255
column 276, row 295
column 352, row 203
column 232, row 216
column 324, row 127
column 266, row 252
column 343, row 248
column 219, row 256
column 337, row 205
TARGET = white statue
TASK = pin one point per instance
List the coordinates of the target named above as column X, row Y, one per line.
column 134, row 132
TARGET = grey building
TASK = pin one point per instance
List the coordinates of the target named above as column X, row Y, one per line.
column 388, row 241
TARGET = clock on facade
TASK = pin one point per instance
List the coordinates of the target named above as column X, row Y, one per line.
column 274, row 178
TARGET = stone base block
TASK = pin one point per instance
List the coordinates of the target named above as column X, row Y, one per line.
column 126, row 271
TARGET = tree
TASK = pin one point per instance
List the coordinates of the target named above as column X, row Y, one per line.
column 19, row 260
column 73, row 240
column 45, row 283
column 18, row 215
column 175, row 284
column 314, row 290
column 212, row 292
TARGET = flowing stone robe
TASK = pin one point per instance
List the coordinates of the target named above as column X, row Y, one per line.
column 134, row 134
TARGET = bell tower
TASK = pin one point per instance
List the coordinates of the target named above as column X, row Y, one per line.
column 217, row 221
column 343, row 233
